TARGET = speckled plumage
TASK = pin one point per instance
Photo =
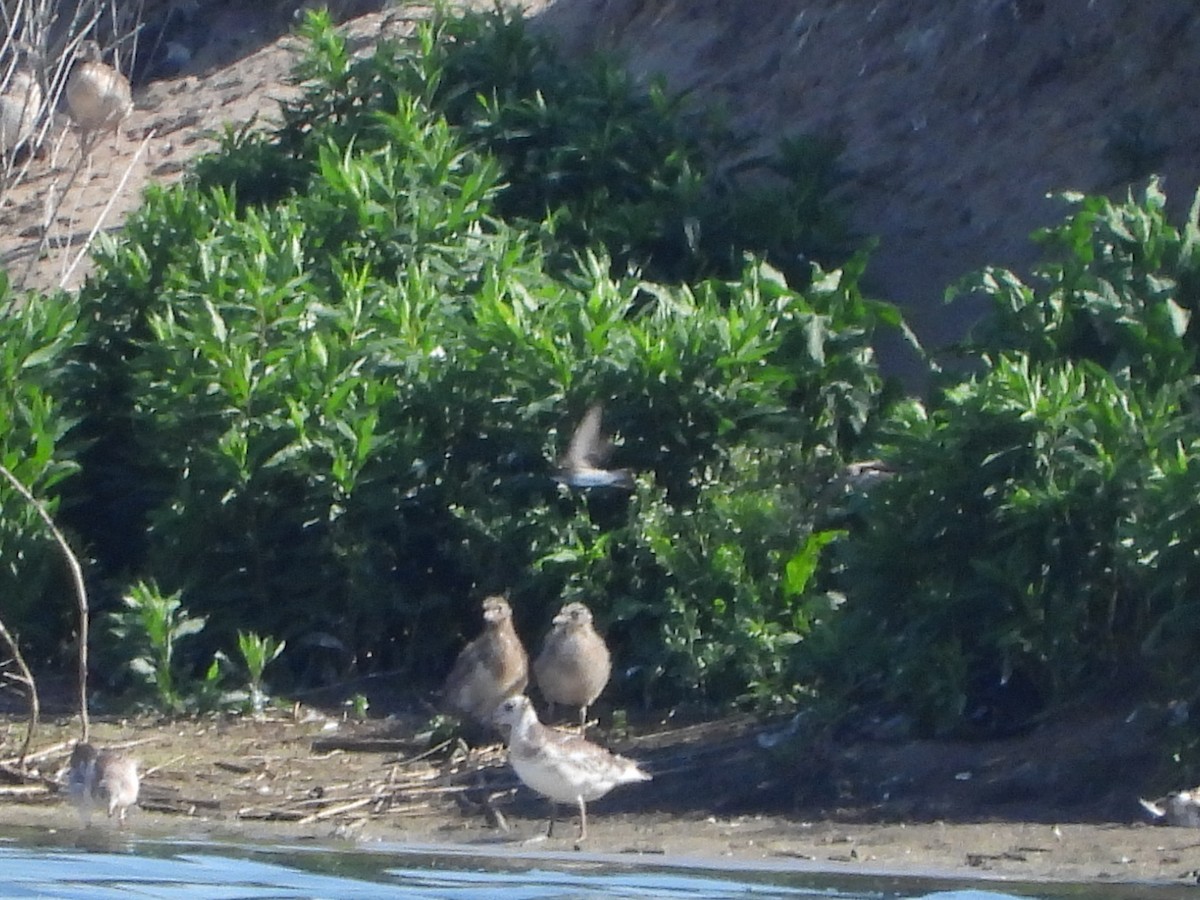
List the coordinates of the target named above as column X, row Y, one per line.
column 490, row 668
column 102, row 778
column 574, row 663
column 561, row 766
column 20, row 104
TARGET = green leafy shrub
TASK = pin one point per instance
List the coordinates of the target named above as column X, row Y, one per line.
column 736, row 597
column 588, row 157
column 997, row 550
column 1038, row 531
column 38, row 446
column 330, row 413
column 1120, row 287
column 146, row 632
column 257, row 653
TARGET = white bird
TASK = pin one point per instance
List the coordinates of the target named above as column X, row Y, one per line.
column 102, row 778
column 574, row 664
column 1180, row 808
column 98, row 96
column 581, row 466
column 20, row 105
column 564, row 767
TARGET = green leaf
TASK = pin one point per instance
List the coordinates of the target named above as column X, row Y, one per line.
column 803, row 564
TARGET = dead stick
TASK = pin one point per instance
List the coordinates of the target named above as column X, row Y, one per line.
column 423, row 755
column 337, row 810
column 81, row 591
column 27, row 677
column 40, row 754
column 25, row 777
column 24, row 790
column 107, row 208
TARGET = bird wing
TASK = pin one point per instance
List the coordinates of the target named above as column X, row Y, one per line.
column 588, row 445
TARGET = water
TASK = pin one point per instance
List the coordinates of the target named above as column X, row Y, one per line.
column 31, row 865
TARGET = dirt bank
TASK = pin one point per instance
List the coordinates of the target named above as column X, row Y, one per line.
column 913, row 807
column 957, row 119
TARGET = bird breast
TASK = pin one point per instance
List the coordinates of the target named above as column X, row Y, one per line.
column 574, row 667
column 98, row 96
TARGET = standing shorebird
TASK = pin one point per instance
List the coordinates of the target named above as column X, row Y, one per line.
column 574, row 664
column 1177, row 808
column 102, row 778
column 564, row 767
column 490, row 668
column 99, row 97
column 20, row 105
column 581, row 466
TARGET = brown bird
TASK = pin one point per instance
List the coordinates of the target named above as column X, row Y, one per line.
column 20, row 106
column 561, row 766
column 574, row 664
column 98, row 96
column 102, row 778
column 490, row 668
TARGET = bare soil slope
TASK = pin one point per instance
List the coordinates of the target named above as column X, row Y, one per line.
column 958, row 118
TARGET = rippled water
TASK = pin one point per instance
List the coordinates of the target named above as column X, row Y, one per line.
column 120, row 868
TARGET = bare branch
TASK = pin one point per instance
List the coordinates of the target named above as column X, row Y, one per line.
column 80, row 594
column 26, row 678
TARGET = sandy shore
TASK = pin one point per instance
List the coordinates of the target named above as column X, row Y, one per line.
column 278, row 781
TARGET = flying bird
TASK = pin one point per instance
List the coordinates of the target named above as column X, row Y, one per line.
column 561, row 766
column 582, row 465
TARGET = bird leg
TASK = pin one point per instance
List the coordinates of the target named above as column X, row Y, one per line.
column 550, row 828
column 582, row 823
column 583, row 719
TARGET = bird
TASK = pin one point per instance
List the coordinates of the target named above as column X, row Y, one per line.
column 560, row 765
column 1180, row 808
column 20, row 104
column 102, row 778
column 491, row 667
column 581, row 465
column 864, row 473
column 98, row 96
column 574, row 663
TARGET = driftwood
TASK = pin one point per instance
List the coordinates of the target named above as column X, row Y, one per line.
column 362, row 745
column 44, row 753
column 330, row 811
column 21, row 777
column 21, row 791
column 24, row 677
column 445, row 780
column 414, row 786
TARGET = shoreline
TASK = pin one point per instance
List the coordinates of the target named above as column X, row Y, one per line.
column 273, row 782
column 982, row 855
